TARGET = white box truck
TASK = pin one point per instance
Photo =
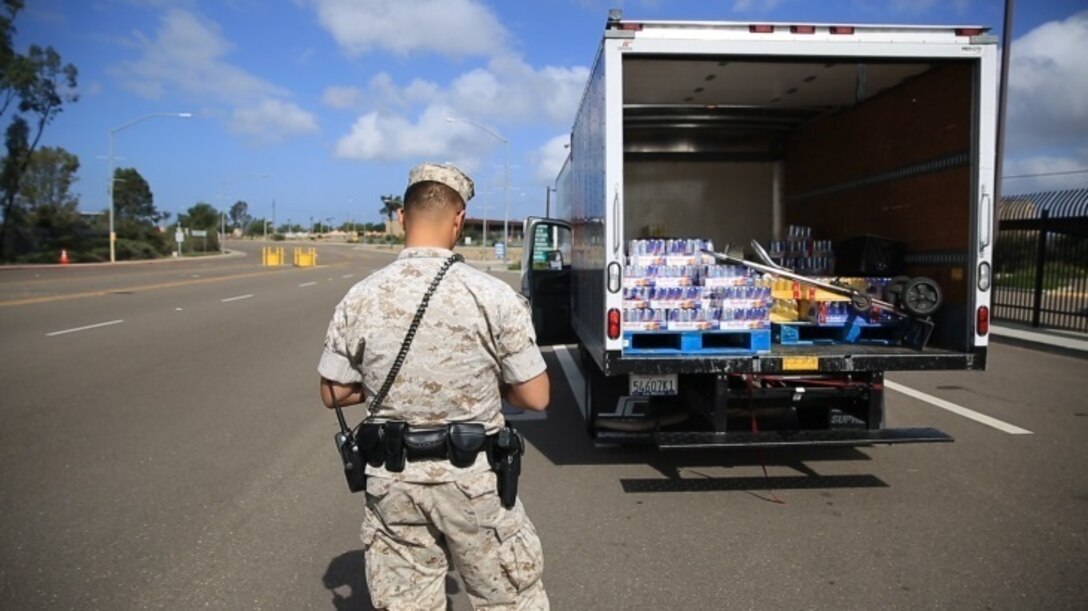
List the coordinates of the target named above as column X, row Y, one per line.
column 880, row 137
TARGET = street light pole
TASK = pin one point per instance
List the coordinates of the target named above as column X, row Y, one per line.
column 109, row 183
column 505, row 182
column 505, row 199
column 229, row 194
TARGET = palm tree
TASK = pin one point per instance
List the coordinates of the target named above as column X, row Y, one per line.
column 390, row 205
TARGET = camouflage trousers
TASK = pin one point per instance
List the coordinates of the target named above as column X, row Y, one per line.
column 412, row 532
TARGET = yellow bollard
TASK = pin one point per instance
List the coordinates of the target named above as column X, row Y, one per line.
column 305, row 257
column 272, row 256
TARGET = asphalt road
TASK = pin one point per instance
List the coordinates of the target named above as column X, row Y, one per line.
column 180, row 459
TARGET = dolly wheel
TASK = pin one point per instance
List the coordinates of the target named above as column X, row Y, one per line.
column 861, row 302
column 921, row 297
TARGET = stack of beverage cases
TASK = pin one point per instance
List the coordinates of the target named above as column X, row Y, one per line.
column 670, row 285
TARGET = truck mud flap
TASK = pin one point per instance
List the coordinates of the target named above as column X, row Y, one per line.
column 772, row 439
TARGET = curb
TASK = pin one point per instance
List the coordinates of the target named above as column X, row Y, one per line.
column 1058, row 344
column 25, row 266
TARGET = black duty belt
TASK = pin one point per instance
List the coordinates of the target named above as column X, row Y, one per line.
column 392, row 444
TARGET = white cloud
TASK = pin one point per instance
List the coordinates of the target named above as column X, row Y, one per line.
column 382, row 136
column 456, row 28
column 187, row 58
column 512, row 90
column 548, row 159
column 273, row 120
column 1046, row 173
column 508, row 92
column 1048, row 78
column 187, row 55
column 403, row 121
column 342, row 97
column 761, row 6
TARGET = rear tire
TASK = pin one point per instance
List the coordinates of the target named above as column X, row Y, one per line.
column 590, row 374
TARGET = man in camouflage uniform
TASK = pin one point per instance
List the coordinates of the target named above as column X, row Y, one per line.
column 475, row 346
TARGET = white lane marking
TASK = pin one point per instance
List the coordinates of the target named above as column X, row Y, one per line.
column 307, row 284
column 574, row 375
column 347, row 275
column 94, row 326
column 235, row 298
column 959, row 410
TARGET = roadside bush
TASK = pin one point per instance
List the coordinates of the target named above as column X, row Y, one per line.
column 134, row 249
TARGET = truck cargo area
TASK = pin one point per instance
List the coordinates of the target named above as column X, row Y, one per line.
column 873, row 155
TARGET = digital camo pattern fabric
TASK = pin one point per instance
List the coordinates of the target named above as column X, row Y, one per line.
column 496, row 551
column 476, row 332
column 445, row 174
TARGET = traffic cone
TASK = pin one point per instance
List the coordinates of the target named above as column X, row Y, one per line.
column 63, row 257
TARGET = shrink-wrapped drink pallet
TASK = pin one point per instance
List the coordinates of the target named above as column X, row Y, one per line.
column 679, row 301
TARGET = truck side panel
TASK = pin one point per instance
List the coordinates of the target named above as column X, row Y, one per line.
column 585, row 208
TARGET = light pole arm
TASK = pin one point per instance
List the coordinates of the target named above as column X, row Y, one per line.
column 505, row 180
column 184, row 115
column 109, row 182
column 479, row 126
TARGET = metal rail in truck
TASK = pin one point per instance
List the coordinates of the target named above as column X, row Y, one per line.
column 878, row 141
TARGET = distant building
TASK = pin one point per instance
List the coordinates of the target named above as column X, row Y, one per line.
column 475, row 227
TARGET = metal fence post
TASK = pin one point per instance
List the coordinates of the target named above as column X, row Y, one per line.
column 1040, row 268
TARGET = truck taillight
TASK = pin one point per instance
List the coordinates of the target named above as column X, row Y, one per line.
column 982, row 323
column 613, row 324
column 761, row 29
column 802, row 29
column 841, row 29
column 968, row 31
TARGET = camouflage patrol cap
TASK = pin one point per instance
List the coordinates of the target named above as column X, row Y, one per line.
column 445, row 174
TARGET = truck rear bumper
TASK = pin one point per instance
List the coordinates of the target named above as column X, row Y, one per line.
column 829, row 360
column 780, row 439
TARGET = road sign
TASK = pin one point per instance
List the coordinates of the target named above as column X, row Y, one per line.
column 500, row 250
column 199, row 233
column 179, row 236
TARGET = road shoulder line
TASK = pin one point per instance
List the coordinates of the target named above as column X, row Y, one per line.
column 959, row 410
column 84, row 328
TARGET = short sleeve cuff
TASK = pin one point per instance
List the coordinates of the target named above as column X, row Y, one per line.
column 523, row 366
column 338, row 368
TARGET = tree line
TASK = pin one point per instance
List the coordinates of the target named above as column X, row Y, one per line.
column 40, row 210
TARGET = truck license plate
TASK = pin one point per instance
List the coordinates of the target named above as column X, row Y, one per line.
column 653, row 385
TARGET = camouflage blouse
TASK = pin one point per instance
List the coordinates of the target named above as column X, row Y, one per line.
column 476, row 333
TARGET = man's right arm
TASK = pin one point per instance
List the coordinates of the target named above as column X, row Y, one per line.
column 532, row 394
column 524, row 374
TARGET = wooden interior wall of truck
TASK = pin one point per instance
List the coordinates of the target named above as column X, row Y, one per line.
column 898, row 165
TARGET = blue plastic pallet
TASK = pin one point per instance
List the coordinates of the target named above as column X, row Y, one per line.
column 850, row 332
column 665, row 343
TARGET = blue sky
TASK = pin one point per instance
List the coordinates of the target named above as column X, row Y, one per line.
column 323, row 105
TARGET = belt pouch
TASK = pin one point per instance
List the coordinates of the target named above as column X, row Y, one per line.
column 466, row 439
column 425, row 444
column 394, row 445
column 369, row 439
